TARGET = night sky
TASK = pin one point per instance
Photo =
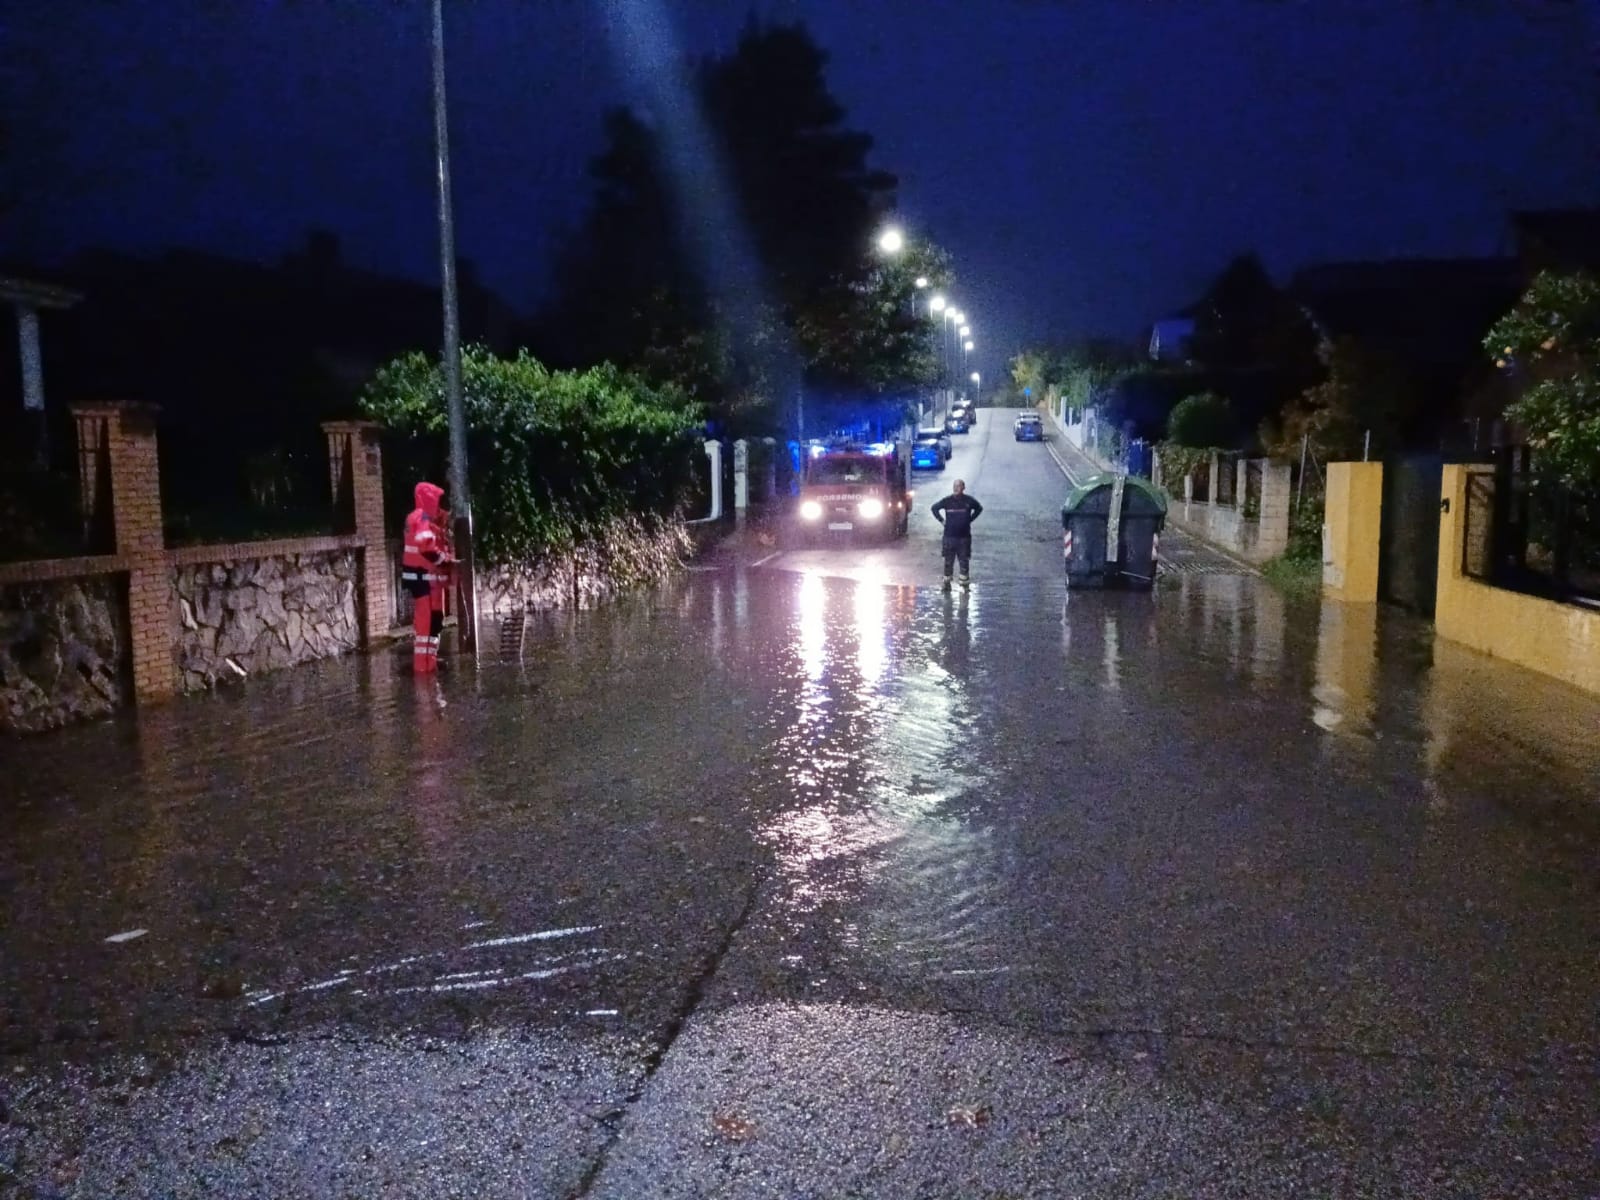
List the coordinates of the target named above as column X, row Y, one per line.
column 1090, row 165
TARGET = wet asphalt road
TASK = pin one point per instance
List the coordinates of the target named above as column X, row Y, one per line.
column 801, row 878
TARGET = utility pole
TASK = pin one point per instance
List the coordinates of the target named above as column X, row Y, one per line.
column 460, row 498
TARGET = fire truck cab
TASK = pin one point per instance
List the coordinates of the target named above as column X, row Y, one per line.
column 855, row 492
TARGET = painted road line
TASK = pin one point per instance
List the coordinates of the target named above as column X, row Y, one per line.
column 1065, row 470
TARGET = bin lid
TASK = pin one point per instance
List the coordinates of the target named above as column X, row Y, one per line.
column 1139, row 496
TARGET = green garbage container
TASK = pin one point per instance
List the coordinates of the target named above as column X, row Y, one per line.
column 1111, row 527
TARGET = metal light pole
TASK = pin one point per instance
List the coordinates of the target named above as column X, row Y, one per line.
column 460, row 499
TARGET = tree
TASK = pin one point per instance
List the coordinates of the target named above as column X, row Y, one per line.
column 1551, row 343
column 1246, row 322
column 635, row 286
column 1077, row 371
column 1030, row 372
column 1201, row 422
column 1364, row 393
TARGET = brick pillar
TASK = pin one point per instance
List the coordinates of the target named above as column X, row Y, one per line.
column 1277, row 503
column 129, row 441
column 355, row 465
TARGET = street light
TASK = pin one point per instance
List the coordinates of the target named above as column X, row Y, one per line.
column 460, row 497
column 921, row 283
column 937, row 304
column 966, row 331
column 891, row 240
column 967, row 346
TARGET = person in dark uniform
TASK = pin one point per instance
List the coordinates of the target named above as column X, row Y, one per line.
column 956, row 512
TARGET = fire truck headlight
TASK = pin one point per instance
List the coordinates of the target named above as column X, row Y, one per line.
column 870, row 509
column 810, row 510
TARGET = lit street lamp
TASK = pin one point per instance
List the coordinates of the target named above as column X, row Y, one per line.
column 937, row 304
column 891, row 240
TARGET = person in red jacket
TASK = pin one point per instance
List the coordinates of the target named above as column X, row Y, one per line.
column 423, row 565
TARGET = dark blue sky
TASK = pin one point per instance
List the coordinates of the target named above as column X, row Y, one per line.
column 1090, row 164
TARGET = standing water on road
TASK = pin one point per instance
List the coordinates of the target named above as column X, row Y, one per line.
column 1301, row 854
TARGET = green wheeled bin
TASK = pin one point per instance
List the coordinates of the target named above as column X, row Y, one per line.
column 1111, row 532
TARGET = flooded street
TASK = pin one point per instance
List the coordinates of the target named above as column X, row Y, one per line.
column 801, row 877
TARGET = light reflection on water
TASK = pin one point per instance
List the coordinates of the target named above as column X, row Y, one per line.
column 893, row 736
column 879, row 761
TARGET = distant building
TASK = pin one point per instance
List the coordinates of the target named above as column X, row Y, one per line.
column 1426, row 316
column 1566, row 239
column 195, row 331
column 1172, row 339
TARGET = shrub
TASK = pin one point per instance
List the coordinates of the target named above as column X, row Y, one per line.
column 1177, row 462
column 1201, row 421
column 556, row 457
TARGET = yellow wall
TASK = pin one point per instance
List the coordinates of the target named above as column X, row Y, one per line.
column 1350, row 532
column 1558, row 639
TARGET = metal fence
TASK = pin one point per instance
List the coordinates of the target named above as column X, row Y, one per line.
column 1531, row 535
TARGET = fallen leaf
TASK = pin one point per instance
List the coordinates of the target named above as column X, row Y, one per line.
column 973, row 1117
column 733, row 1127
column 127, row 935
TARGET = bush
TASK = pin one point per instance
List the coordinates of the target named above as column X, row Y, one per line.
column 555, row 457
column 1305, row 529
column 1201, row 421
column 1179, row 461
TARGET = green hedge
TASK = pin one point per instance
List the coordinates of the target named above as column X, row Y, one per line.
column 555, row 458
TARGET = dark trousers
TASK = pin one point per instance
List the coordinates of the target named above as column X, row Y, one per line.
column 956, row 550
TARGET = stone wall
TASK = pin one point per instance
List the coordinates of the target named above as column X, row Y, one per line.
column 63, row 652
column 239, row 618
column 631, row 555
column 1256, row 540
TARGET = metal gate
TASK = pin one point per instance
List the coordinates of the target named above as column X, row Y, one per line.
column 1408, row 542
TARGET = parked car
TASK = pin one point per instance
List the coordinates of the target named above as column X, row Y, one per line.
column 927, row 452
column 1029, row 427
column 959, row 421
column 946, row 446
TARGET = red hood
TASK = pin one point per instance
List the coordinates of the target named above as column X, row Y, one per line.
column 428, row 497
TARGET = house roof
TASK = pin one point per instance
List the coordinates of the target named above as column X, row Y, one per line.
column 1562, row 237
column 1428, row 311
column 34, row 294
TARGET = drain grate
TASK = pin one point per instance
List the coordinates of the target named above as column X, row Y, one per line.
column 513, row 631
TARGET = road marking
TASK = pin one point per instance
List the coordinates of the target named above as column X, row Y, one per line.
column 767, row 559
column 1065, row 470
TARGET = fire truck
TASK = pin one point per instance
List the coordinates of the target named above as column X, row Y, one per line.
column 854, row 492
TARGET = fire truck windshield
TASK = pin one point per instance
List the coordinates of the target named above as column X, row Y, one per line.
column 845, row 470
